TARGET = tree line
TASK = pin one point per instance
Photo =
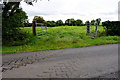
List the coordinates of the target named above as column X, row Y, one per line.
column 68, row 22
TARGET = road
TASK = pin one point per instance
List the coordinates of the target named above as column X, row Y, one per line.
column 86, row 62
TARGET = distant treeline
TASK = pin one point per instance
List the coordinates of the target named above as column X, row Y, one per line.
column 68, row 22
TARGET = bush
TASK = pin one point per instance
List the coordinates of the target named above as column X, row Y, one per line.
column 16, row 39
column 112, row 27
column 50, row 23
column 27, row 24
column 11, row 26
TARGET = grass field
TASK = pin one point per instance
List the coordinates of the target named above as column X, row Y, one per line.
column 59, row 38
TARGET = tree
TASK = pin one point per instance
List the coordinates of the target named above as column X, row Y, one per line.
column 92, row 22
column 87, row 22
column 38, row 19
column 72, row 22
column 50, row 23
column 10, row 8
column 67, row 22
column 26, row 23
column 59, row 23
column 11, row 24
column 98, row 21
column 79, row 22
column 53, row 23
column 13, row 17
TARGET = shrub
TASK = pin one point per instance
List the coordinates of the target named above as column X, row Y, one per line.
column 28, row 24
column 50, row 23
column 11, row 26
column 112, row 27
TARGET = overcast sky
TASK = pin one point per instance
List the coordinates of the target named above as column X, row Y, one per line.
column 77, row 9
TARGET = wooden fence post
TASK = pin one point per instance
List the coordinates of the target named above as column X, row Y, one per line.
column 34, row 29
column 88, row 28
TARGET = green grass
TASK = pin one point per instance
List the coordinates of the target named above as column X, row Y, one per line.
column 59, row 38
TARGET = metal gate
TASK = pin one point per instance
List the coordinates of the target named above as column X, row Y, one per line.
column 92, row 29
column 41, row 29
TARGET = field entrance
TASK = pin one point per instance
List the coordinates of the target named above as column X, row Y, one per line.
column 41, row 29
column 93, row 30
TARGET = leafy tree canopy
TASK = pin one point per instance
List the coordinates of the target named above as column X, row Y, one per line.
column 13, row 17
column 79, row 22
column 59, row 23
column 87, row 22
column 98, row 21
column 93, row 22
column 38, row 19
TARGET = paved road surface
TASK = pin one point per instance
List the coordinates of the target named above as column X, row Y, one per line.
column 84, row 62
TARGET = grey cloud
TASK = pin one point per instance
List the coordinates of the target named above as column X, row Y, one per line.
column 31, row 13
column 37, row 13
column 110, row 13
column 73, row 14
column 108, row 18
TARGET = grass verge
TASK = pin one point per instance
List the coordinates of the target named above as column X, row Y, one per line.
column 59, row 38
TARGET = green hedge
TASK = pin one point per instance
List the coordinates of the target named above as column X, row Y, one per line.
column 112, row 27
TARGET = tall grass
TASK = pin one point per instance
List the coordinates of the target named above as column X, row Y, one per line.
column 61, row 37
